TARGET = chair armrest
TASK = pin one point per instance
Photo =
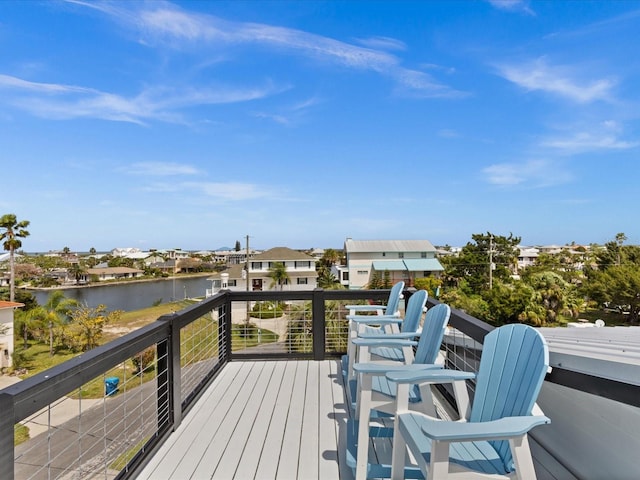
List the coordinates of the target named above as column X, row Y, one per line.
column 430, row 376
column 365, row 308
column 374, row 319
column 382, row 368
column 383, row 342
column 501, row 429
column 396, row 336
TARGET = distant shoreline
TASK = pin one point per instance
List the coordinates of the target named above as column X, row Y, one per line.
column 117, row 282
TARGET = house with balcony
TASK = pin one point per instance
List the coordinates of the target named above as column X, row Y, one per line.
column 6, row 332
column 300, row 268
column 404, row 260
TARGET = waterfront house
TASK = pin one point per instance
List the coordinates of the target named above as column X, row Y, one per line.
column 405, row 260
column 300, row 268
column 6, row 332
column 114, row 273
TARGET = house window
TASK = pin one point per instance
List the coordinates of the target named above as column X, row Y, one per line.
column 400, row 255
column 423, row 254
column 345, row 276
column 384, row 254
column 232, row 283
column 256, row 265
column 302, row 281
column 302, row 264
column 363, row 272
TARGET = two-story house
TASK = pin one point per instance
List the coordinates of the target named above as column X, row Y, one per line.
column 6, row 332
column 300, row 269
column 405, row 260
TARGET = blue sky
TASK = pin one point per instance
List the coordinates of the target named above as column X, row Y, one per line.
column 193, row 124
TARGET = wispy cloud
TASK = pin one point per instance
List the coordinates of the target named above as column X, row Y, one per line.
column 229, row 191
column 162, row 23
column 529, row 174
column 513, row 6
column 160, row 169
column 60, row 101
column 604, row 136
column 563, row 81
column 382, row 43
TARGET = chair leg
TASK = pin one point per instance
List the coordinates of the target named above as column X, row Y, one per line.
column 399, row 453
column 439, row 466
column 364, row 412
column 522, row 457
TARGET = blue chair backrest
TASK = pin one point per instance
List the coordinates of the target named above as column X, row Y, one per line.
column 394, row 298
column 413, row 313
column 433, row 330
column 514, row 362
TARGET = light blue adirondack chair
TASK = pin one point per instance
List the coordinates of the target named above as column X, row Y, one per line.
column 391, row 307
column 378, row 325
column 375, row 394
column 514, row 361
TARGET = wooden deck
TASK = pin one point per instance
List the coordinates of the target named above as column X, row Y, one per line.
column 261, row 420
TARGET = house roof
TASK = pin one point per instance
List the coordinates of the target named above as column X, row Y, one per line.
column 113, row 270
column 4, row 304
column 282, row 253
column 352, row 246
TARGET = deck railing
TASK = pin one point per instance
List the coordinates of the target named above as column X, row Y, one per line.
column 104, row 413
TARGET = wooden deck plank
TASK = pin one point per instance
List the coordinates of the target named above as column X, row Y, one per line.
column 232, row 456
column 272, row 448
column 223, row 423
column 248, row 464
column 308, row 464
column 328, row 453
column 166, row 460
column 289, row 458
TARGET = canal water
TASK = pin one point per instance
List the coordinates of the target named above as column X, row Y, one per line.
column 134, row 295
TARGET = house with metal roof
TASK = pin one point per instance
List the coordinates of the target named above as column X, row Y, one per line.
column 405, row 260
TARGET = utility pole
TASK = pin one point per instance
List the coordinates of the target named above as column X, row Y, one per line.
column 491, row 265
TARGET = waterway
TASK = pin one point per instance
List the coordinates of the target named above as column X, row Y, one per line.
column 133, row 295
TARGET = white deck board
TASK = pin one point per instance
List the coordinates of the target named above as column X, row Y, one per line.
column 260, row 420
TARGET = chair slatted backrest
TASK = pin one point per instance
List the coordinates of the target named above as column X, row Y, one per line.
column 394, row 298
column 514, row 361
column 413, row 314
column 433, row 330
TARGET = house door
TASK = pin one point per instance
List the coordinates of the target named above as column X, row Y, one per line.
column 256, row 284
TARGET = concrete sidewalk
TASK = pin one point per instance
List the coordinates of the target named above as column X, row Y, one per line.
column 56, row 414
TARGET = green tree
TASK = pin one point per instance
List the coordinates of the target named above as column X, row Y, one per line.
column 278, row 275
column 87, row 323
column 507, row 302
column 618, row 284
column 11, row 232
column 430, row 284
column 92, row 251
column 54, row 313
column 376, row 281
column 238, row 247
column 77, row 270
column 487, row 252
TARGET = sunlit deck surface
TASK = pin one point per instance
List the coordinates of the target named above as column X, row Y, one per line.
column 275, row 420
column 259, row 420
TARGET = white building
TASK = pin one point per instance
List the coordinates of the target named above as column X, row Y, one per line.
column 6, row 332
column 405, row 260
column 300, row 267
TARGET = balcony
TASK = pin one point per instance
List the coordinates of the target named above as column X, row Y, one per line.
column 218, row 397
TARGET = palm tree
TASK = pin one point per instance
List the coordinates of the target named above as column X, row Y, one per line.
column 13, row 231
column 55, row 312
column 278, row 273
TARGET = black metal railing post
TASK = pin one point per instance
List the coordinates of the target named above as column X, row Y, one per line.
column 224, row 330
column 7, row 450
column 318, row 324
column 169, row 381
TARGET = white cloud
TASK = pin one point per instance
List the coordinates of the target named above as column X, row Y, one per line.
column 59, row 101
column 159, row 169
column 513, row 6
column 162, row 23
column 558, row 80
column 531, row 174
column 229, row 191
column 382, row 43
column 604, row 136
